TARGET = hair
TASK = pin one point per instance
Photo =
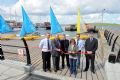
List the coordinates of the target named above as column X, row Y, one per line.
column 72, row 40
column 64, row 34
column 48, row 33
column 78, row 34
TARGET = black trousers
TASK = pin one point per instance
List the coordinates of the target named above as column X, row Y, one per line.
column 63, row 60
column 56, row 62
column 90, row 58
column 46, row 56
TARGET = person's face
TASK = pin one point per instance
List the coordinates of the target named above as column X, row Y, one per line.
column 57, row 36
column 48, row 36
column 91, row 35
column 64, row 37
column 78, row 36
column 72, row 42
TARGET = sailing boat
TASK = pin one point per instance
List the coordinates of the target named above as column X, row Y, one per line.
column 55, row 26
column 27, row 26
column 4, row 27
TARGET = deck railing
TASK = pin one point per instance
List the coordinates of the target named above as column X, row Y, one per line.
column 113, row 40
column 16, row 47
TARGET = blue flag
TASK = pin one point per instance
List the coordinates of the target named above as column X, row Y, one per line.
column 4, row 27
column 55, row 26
column 27, row 26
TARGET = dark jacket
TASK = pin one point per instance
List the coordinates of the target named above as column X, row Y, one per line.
column 64, row 45
column 55, row 45
column 91, row 45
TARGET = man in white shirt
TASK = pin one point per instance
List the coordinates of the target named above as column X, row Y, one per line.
column 80, row 44
column 45, row 45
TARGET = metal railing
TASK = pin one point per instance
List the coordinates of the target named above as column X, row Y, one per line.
column 113, row 41
column 27, row 54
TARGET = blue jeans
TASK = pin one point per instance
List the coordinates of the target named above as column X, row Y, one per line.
column 78, row 59
column 73, row 66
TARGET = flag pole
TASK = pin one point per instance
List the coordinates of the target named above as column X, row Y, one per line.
column 78, row 22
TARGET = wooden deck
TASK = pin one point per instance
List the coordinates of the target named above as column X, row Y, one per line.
column 37, row 61
column 99, row 68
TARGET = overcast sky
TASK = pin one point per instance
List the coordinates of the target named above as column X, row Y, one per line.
column 65, row 10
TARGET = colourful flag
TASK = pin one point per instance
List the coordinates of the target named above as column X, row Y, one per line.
column 78, row 22
column 27, row 26
column 4, row 27
column 55, row 26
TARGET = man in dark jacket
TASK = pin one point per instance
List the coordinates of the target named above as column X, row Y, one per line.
column 56, row 52
column 91, row 45
column 64, row 48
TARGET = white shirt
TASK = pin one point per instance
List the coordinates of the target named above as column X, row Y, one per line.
column 80, row 44
column 44, row 45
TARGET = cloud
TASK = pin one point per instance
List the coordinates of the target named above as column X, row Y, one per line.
column 118, row 18
column 67, row 7
column 65, row 10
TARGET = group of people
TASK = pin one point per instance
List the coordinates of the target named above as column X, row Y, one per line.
column 69, row 49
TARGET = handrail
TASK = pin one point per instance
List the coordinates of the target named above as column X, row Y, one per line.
column 1, row 53
column 25, row 46
column 12, row 46
column 27, row 52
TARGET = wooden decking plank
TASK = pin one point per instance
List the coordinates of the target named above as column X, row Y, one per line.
column 83, row 62
column 99, row 74
column 89, row 77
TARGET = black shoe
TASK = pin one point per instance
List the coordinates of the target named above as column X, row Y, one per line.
column 55, row 70
column 44, row 70
column 58, row 68
column 93, row 72
column 63, row 67
column 85, row 70
column 68, row 67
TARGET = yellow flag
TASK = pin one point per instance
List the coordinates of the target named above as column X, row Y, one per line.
column 78, row 22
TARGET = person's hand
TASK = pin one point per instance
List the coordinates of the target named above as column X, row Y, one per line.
column 73, row 52
column 66, row 53
column 69, row 51
column 57, row 49
column 89, row 52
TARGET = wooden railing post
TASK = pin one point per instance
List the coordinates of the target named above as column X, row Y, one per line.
column 107, row 35
column 111, row 39
column 118, row 56
column 113, row 46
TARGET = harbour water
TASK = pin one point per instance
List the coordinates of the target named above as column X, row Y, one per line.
column 43, row 31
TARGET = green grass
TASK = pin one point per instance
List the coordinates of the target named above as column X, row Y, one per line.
column 105, row 24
